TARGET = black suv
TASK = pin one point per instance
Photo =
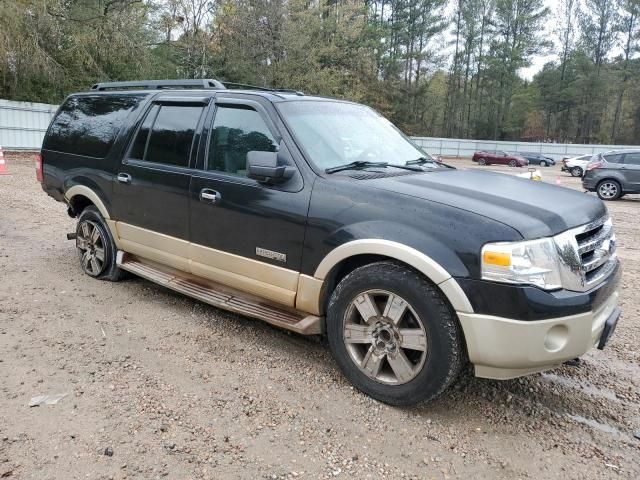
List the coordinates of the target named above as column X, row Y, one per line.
column 613, row 174
column 317, row 215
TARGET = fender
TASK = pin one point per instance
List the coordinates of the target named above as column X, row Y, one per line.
column 91, row 195
column 310, row 288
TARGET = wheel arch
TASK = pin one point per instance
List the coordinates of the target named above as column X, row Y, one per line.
column 347, row 257
column 81, row 196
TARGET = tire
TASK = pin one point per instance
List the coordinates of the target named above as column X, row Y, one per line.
column 513, row 163
column 576, row 171
column 371, row 354
column 482, row 161
column 543, row 163
column 96, row 248
column 609, row 190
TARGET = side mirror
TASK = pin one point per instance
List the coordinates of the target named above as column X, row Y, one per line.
column 263, row 166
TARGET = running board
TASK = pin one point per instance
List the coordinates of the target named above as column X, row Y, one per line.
column 222, row 296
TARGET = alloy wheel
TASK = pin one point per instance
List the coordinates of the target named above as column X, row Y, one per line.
column 608, row 190
column 384, row 337
column 512, row 163
column 91, row 246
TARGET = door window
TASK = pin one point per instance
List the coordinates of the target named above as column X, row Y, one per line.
column 632, row 158
column 236, row 131
column 170, row 139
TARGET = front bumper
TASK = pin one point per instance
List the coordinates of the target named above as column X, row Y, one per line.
column 503, row 348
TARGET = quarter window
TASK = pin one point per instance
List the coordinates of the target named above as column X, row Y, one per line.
column 632, row 158
column 237, row 131
column 170, row 139
column 613, row 158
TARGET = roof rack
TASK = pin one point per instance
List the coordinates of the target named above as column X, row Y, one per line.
column 160, row 84
column 266, row 89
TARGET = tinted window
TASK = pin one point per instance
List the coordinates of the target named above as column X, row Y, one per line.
column 613, row 158
column 632, row 158
column 88, row 125
column 235, row 132
column 140, row 143
column 172, row 135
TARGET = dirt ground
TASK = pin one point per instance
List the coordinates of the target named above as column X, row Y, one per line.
column 162, row 386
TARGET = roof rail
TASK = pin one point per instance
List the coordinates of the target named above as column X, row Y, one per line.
column 159, row 84
column 266, row 89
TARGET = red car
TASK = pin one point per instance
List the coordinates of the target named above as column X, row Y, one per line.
column 487, row 157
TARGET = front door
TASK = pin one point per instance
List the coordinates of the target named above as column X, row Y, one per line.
column 246, row 234
column 151, row 193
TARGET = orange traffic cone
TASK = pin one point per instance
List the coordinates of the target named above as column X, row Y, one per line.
column 3, row 163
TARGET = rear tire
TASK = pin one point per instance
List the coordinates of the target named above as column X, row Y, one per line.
column 96, row 248
column 393, row 335
column 609, row 190
column 576, row 171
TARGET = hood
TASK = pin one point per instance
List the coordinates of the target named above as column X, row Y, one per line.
column 535, row 209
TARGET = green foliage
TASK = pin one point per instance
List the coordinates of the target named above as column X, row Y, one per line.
column 432, row 74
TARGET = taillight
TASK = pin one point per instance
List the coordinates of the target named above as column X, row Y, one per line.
column 39, row 176
column 596, row 164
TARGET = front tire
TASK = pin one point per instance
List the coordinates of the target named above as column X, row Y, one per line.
column 513, row 163
column 609, row 190
column 393, row 335
column 96, row 248
column 482, row 161
column 543, row 163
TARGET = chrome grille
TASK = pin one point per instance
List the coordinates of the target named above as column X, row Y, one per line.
column 587, row 254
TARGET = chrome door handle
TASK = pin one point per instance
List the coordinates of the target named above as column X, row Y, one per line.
column 210, row 196
column 124, row 178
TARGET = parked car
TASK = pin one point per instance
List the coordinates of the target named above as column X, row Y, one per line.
column 488, row 157
column 537, row 159
column 575, row 165
column 613, row 174
column 318, row 216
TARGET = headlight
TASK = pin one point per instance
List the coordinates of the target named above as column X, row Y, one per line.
column 533, row 262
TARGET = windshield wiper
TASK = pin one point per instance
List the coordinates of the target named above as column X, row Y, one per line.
column 420, row 161
column 356, row 164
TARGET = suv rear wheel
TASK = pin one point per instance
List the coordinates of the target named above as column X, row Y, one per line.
column 393, row 335
column 609, row 190
column 96, row 248
column 576, row 171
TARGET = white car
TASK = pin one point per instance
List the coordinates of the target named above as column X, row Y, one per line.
column 576, row 166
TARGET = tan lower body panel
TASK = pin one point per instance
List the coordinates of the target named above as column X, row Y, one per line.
column 222, row 296
column 274, row 283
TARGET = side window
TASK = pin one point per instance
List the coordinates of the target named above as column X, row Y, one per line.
column 632, row 158
column 88, row 124
column 613, row 158
column 236, row 131
column 166, row 134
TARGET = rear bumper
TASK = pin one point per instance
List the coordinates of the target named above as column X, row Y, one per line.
column 503, row 348
column 588, row 182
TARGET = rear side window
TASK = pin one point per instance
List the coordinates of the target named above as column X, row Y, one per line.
column 166, row 134
column 88, row 125
column 613, row 158
column 632, row 158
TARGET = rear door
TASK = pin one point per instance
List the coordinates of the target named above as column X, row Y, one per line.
column 246, row 234
column 631, row 171
column 151, row 191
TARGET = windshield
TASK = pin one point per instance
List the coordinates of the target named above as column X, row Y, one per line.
column 336, row 133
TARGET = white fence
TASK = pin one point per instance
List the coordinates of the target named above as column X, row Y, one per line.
column 23, row 125
column 465, row 148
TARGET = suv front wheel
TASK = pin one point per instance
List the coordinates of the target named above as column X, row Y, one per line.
column 96, row 248
column 393, row 335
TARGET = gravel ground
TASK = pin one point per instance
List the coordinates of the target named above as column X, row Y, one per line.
column 162, row 386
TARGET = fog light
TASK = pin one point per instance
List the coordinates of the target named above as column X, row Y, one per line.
column 556, row 338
